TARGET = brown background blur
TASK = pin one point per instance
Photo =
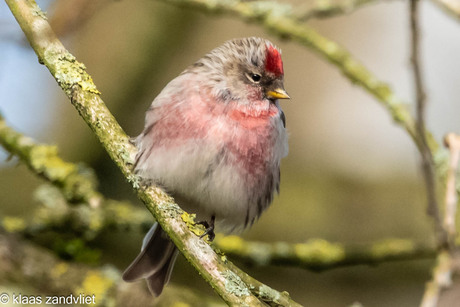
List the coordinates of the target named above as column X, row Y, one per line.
column 351, row 175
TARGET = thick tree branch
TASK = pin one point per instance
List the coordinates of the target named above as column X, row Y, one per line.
column 264, row 292
column 78, row 86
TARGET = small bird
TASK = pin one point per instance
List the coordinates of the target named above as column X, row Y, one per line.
column 213, row 139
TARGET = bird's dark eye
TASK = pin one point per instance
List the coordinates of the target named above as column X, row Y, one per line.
column 256, row 77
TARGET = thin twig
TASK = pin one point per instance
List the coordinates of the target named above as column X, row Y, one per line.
column 426, row 155
column 442, row 273
column 323, row 9
column 320, row 255
column 452, row 142
column 442, row 278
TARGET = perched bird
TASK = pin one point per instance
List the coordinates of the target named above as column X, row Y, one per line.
column 213, row 139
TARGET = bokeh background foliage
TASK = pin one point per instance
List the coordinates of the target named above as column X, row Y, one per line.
column 351, row 176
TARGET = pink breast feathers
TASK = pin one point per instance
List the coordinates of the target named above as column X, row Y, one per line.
column 254, row 119
column 251, row 141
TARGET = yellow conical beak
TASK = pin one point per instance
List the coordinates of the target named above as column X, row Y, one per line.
column 278, row 93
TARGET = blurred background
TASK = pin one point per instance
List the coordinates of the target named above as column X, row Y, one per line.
column 351, row 176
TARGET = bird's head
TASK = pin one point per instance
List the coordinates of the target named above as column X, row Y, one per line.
column 244, row 70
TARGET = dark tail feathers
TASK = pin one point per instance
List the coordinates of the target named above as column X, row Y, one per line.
column 155, row 261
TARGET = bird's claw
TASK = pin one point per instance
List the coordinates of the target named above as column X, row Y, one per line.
column 209, row 228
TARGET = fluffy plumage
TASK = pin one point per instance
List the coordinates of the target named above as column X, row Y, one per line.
column 214, row 138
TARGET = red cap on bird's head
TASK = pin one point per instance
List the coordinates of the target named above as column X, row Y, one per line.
column 273, row 62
